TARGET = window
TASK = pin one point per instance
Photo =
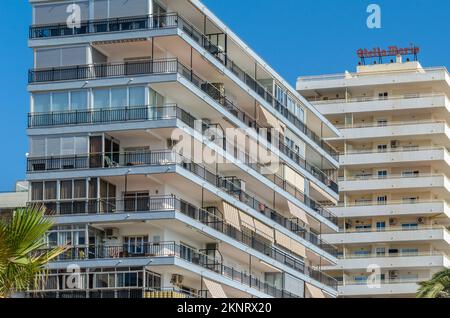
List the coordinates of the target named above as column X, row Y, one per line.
column 137, row 97
column 41, row 103
column 411, row 200
column 101, row 98
column 382, row 174
column 381, row 226
column 78, row 100
column 60, row 101
column 409, row 251
column 382, row 148
column 50, row 190
column 37, row 191
column 380, row 251
column 50, row 146
column 79, row 189
column 383, row 96
column 410, row 226
column 410, row 174
column 135, row 244
column 120, row 97
column 381, row 200
column 66, row 189
column 382, row 122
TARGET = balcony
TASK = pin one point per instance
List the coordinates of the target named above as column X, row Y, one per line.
column 153, row 67
column 438, row 234
column 171, row 250
column 423, row 75
column 436, row 130
column 216, row 222
column 437, row 156
column 166, row 158
column 173, row 20
column 395, row 287
column 393, row 261
column 415, row 182
column 390, row 208
column 365, row 104
column 119, row 293
column 149, row 113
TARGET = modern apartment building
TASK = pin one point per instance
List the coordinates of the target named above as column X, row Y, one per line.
column 393, row 211
column 117, row 87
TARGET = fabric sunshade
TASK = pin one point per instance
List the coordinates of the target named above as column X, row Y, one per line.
column 297, row 212
column 294, row 178
column 321, row 191
column 283, row 240
column 231, row 215
column 298, row 248
column 272, row 120
column 314, row 292
column 290, row 244
column 215, row 289
column 264, row 230
column 247, row 221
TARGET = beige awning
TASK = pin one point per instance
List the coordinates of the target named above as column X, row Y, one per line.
column 215, row 289
column 283, row 240
column 247, row 221
column 231, row 215
column 314, row 292
column 297, row 212
column 294, row 178
column 271, row 120
column 264, row 230
column 298, row 248
column 322, row 192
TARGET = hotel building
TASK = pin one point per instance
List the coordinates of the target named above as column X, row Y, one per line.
column 115, row 89
column 394, row 176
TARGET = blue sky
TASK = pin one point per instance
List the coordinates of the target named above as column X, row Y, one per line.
column 297, row 37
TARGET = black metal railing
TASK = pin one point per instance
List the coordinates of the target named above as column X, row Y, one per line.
column 145, row 22
column 254, row 240
column 170, row 157
column 171, row 249
column 109, row 115
column 96, row 71
column 174, row 20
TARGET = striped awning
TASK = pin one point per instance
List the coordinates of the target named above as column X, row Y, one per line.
column 283, row 240
column 298, row 248
column 314, row 292
column 298, row 212
column 271, row 120
column 294, row 178
column 215, row 289
column 247, row 221
column 264, row 230
column 231, row 215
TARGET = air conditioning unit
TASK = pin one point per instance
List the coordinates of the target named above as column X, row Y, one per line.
column 112, row 233
column 421, row 220
column 392, row 221
column 177, row 280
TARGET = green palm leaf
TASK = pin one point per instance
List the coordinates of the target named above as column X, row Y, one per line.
column 23, row 256
column 437, row 287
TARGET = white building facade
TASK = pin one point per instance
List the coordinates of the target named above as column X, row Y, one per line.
column 130, row 101
column 393, row 211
